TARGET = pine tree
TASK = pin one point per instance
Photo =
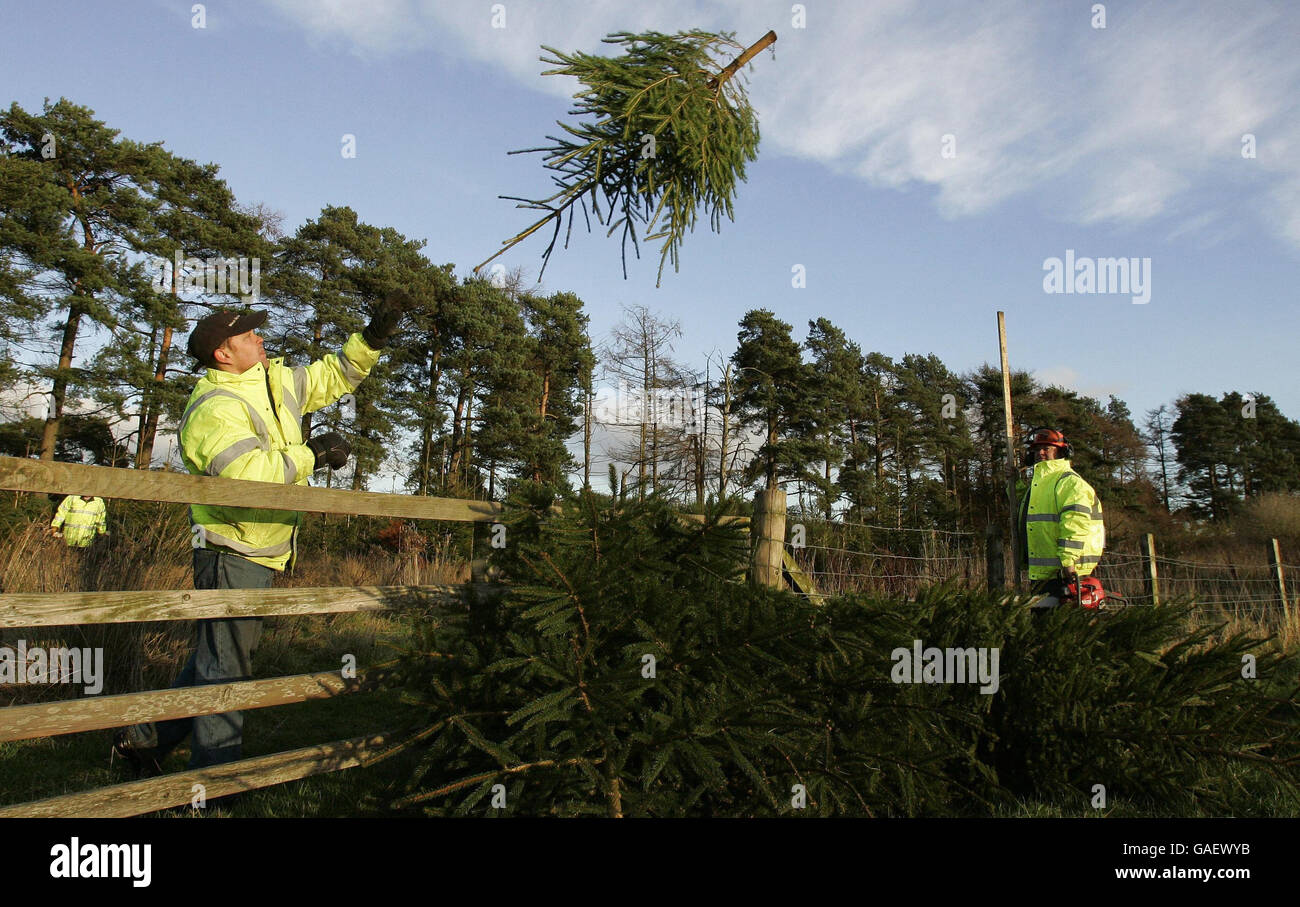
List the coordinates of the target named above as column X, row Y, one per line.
column 1203, row 437
column 84, row 207
column 23, row 204
column 835, row 398
column 490, row 390
column 773, row 396
column 559, row 355
column 863, row 478
column 418, row 359
column 328, row 277
column 197, row 218
column 932, row 439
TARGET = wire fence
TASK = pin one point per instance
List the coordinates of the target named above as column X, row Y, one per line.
column 1238, row 590
column 842, row 557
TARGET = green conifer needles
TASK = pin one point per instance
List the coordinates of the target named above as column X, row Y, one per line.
column 663, row 135
column 629, row 671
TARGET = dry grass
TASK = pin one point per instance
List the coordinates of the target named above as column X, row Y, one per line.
column 1270, row 516
column 145, row 656
column 376, row 570
column 136, row 656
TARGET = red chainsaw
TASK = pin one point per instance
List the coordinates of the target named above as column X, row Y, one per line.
column 1085, row 591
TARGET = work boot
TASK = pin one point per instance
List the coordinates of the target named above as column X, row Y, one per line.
column 144, row 762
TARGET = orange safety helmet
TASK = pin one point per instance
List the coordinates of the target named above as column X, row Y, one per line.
column 1049, row 437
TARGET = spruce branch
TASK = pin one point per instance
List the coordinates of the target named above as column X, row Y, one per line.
column 670, row 132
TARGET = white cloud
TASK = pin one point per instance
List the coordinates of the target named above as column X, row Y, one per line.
column 1136, row 121
column 1068, row 378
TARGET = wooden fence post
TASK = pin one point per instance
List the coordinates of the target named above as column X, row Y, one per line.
column 1275, row 564
column 767, row 532
column 995, row 558
column 1151, row 579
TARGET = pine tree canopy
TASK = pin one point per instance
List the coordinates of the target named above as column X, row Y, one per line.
column 663, row 136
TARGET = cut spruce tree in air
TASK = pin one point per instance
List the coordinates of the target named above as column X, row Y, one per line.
column 663, row 135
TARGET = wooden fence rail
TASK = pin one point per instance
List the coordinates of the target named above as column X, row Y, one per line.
column 72, row 716
column 46, row 719
column 178, row 789
column 54, row 609
column 52, row 477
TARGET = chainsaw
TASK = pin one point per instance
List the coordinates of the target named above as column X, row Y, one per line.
column 1085, row 591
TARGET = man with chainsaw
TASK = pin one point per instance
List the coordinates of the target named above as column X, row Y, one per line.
column 244, row 421
column 1061, row 528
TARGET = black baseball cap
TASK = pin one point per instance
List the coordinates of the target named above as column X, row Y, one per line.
column 217, row 328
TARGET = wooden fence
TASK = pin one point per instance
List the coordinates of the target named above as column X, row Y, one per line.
column 48, row 719
column 94, row 713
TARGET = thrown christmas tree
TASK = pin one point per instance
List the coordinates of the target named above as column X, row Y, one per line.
column 665, row 133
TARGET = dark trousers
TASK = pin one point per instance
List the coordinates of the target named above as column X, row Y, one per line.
column 223, row 654
column 1051, row 586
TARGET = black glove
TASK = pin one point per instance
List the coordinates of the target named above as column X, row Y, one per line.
column 330, row 449
column 383, row 323
column 1069, row 576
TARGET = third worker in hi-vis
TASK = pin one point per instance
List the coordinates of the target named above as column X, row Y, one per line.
column 80, row 519
column 244, row 421
column 1060, row 524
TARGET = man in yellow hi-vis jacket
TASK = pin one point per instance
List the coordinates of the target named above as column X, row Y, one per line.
column 1060, row 517
column 79, row 519
column 244, row 421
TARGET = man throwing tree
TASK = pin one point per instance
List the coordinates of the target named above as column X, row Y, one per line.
column 244, row 421
column 1060, row 522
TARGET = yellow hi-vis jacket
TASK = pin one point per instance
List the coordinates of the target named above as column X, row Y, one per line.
column 81, row 520
column 249, row 426
column 1060, row 515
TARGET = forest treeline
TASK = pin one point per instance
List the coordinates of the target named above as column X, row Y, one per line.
column 489, row 382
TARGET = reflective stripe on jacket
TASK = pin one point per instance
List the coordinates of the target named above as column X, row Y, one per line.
column 1061, row 517
column 81, row 520
column 249, row 426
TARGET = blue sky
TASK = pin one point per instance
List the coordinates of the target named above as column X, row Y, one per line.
column 1121, row 141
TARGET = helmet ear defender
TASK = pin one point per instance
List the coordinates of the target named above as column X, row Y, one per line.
column 1052, row 437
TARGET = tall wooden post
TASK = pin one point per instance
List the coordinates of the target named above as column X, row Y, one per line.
column 1275, row 564
column 767, row 532
column 1151, row 579
column 1012, row 471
